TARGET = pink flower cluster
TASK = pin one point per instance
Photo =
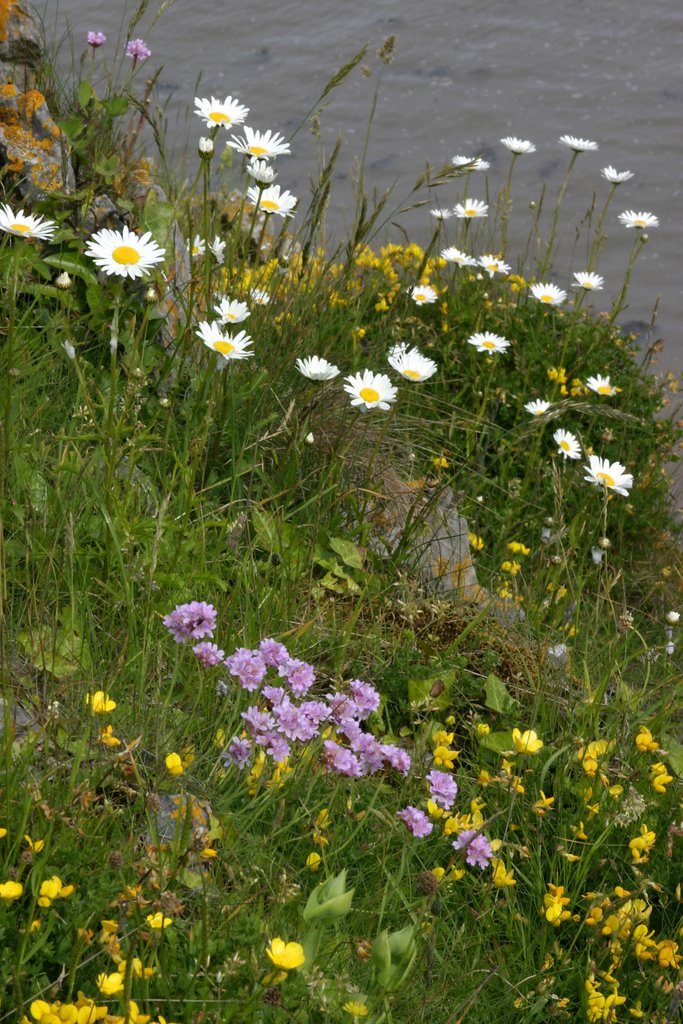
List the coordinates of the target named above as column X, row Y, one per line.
column 194, row 620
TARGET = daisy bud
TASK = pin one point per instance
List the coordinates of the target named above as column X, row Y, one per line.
column 605, row 543
column 206, row 147
column 309, row 439
column 69, row 349
column 151, row 295
column 644, row 237
column 532, row 205
column 63, row 280
column 672, row 617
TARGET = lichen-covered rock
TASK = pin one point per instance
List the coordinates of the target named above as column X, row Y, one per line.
column 31, row 144
column 20, row 36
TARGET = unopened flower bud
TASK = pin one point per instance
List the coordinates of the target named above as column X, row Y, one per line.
column 309, row 439
column 532, row 205
column 605, row 543
column 151, row 294
column 63, row 280
column 206, row 147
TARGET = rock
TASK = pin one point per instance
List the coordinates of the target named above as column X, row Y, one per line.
column 102, row 213
column 183, row 821
column 19, row 721
column 31, row 144
column 20, row 35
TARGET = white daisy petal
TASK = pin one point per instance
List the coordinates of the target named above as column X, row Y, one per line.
column 492, row 265
column 370, row 390
column 609, row 475
column 422, row 294
column 518, row 146
column 264, row 145
column 601, row 385
column 537, row 407
column 123, row 252
column 471, row 208
column 578, row 145
column 640, row 220
column 412, row 364
column 271, row 200
column 227, row 113
column 614, row 176
column 567, row 444
column 25, row 225
column 461, row 259
column 230, row 311
column 548, row 293
column 316, row 368
column 488, row 343
column 589, row 281
column 227, row 346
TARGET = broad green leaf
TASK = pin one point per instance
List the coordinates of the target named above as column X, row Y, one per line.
column 497, row 696
column 498, row 742
column 84, row 92
column 347, row 551
column 73, row 263
column 675, row 753
column 433, row 689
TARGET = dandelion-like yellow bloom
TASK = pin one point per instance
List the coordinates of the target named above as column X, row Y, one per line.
column 526, row 742
column 34, row 845
column 445, row 758
column 53, row 889
column 355, row 1008
column 286, row 955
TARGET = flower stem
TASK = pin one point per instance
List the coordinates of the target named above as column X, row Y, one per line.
column 558, row 204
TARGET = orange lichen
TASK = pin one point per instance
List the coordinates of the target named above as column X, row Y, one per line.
column 21, row 141
column 5, row 6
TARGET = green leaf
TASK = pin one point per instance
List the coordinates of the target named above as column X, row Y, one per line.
column 73, row 263
column 347, row 551
column 433, row 689
column 84, row 93
column 157, row 216
column 674, row 753
column 267, row 530
column 497, row 696
column 498, row 742
column 116, row 106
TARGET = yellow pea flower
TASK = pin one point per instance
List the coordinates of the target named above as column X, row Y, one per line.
column 526, row 742
column 99, row 703
column 110, row 984
column 158, row 921
column 502, row 876
column 10, row 890
column 174, row 764
column 313, row 861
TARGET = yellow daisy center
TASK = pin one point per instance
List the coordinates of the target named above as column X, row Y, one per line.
column 413, row 374
column 219, row 117
column 126, row 255
column 604, row 389
column 270, row 204
column 565, row 446
column 587, row 284
column 224, row 347
column 24, row 229
column 546, row 298
column 258, row 150
column 491, row 266
column 639, row 222
column 420, row 297
column 369, row 394
column 606, row 479
column 488, row 344
column 539, row 412
column 470, row 213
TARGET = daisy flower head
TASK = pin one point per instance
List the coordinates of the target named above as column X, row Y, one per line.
column 25, row 225
column 316, row 368
column 230, row 311
column 537, row 407
column 591, row 282
column 601, row 385
column 493, row 265
column 471, row 208
column 370, row 390
column 461, row 259
column 441, row 214
column 138, row 49
column 423, row 294
column 261, row 170
column 227, row 346
column 259, row 297
column 412, row 364
column 567, row 444
column 614, row 176
column 640, row 220
column 477, row 164
column 489, row 343
column 217, row 248
column 261, row 144
column 225, row 113
column 578, row 145
column 609, row 475
column 123, row 252
column 271, row 200
column 197, row 247
column 548, row 293
column 518, row 146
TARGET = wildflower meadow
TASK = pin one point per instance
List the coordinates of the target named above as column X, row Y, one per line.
column 270, row 753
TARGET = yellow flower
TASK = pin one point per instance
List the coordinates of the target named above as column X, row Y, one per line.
column 483, row 729
column 543, row 805
column 440, row 462
column 579, row 831
column 518, row 549
column 434, row 811
column 110, row 984
column 554, row 903
column 107, row 737
column 158, row 920
column 313, row 861
column 355, row 1008
column 659, row 777
column 476, row 541
column 526, row 742
column 286, row 955
column 438, row 873
column 174, row 764
column 511, row 567
column 645, row 741
column 52, row 889
column 35, row 845
column 667, row 954
column 642, row 844
column 502, row 876
column 99, row 703
column 323, row 819
column 10, row 890
column 445, row 758
column 3, row 833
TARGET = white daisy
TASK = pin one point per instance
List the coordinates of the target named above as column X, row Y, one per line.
column 488, row 342
column 261, row 170
column 370, row 390
column 226, row 345
column 228, row 112
column 231, row 311
column 123, row 252
column 631, row 219
column 493, row 265
column 537, row 407
column 422, row 294
column 471, row 208
column 259, row 297
column 198, row 246
column 591, row 282
column 441, row 214
column 412, row 364
column 217, row 247
column 262, row 144
column 316, row 368
column 616, row 177
column 601, row 385
column 25, row 225
column 672, row 618
column 607, row 474
column 477, row 163
column 578, row 145
column 567, row 444
column 453, row 255
column 271, row 200
column 548, row 293
column 518, row 146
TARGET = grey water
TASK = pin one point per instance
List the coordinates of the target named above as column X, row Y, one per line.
column 464, row 75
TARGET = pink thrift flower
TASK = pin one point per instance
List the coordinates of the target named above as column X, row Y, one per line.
column 95, row 39
column 238, row 752
column 416, row 821
column 443, row 789
column 208, row 654
column 479, row 852
column 196, row 619
column 138, row 49
column 273, row 653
